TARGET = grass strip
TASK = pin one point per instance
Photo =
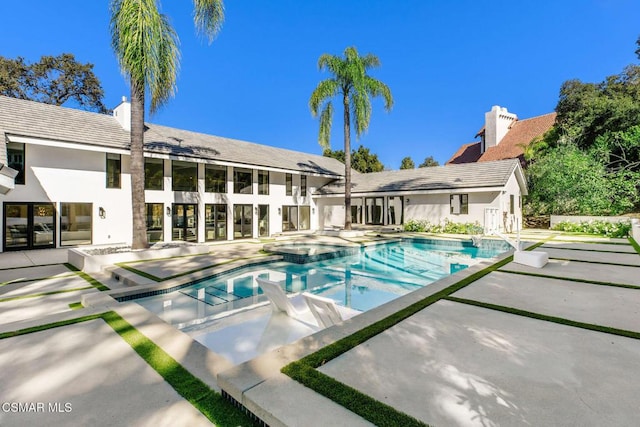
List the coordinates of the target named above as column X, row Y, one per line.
column 11, row 282
column 43, row 294
column 29, row 266
column 211, row 404
column 93, row 282
column 76, row 306
column 602, row 242
column 304, row 370
column 635, row 244
column 553, row 319
column 140, row 272
column 594, row 262
column 588, row 250
column 591, row 282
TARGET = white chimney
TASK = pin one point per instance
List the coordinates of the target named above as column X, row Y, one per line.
column 496, row 125
column 122, row 113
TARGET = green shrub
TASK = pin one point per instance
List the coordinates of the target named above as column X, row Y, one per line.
column 598, row 227
column 424, row 226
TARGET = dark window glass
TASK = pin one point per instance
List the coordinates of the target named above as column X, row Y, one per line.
column 16, row 160
column 242, row 221
column 289, row 184
column 512, row 204
column 263, row 220
column 215, row 179
column 289, row 218
column 242, row 181
column 263, row 182
column 155, row 222
column 185, row 176
column 114, row 170
column 459, row 204
column 464, row 204
column 303, row 186
column 153, row 174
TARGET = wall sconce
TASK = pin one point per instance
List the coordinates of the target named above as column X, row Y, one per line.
column 279, row 211
column 102, row 213
column 168, row 210
column 407, row 200
column 313, row 210
column 255, row 210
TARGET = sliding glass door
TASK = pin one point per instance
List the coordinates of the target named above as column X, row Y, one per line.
column 185, row 222
column 29, row 226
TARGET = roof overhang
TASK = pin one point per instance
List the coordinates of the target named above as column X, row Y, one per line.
column 7, row 178
column 415, row 192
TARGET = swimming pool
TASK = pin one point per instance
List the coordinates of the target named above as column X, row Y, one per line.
column 369, row 278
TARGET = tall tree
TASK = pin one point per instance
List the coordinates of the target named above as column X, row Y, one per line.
column 364, row 161
column 407, row 163
column 56, row 80
column 429, row 162
column 351, row 82
column 147, row 49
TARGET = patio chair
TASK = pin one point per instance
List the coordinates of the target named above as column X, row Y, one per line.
column 279, row 299
column 323, row 309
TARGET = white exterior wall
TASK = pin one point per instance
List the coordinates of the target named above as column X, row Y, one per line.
column 68, row 175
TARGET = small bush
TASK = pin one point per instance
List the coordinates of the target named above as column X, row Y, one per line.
column 424, row 226
column 597, row 227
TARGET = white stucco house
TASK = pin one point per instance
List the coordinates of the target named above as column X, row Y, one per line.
column 65, row 182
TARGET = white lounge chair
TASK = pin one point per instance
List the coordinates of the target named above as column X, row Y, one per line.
column 323, row 309
column 279, row 299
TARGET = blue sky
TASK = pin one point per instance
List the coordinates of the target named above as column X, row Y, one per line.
column 446, row 62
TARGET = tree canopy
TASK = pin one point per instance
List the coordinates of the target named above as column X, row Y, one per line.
column 429, row 162
column 407, row 163
column 589, row 162
column 362, row 159
column 56, row 80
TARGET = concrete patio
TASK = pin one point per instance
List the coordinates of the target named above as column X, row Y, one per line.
column 452, row 363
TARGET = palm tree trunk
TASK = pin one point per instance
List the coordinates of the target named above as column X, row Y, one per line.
column 139, row 236
column 347, row 163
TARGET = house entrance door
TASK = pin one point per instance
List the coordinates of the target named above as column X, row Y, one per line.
column 185, row 222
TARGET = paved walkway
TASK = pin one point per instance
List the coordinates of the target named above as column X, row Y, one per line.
column 453, row 363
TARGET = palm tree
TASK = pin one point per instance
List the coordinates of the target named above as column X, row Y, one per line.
column 350, row 80
column 146, row 46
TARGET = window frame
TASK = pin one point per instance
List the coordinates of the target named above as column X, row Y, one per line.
column 263, row 188
column 212, row 185
column 154, row 161
column 109, row 163
column 21, row 177
column 288, row 184
column 237, row 182
column 303, row 185
column 462, row 205
column 184, row 166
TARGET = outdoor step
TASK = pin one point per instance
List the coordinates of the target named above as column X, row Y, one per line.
column 128, row 278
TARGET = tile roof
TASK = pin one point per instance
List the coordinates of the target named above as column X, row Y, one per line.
column 470, row 175
column 34, row 119
column 522, row 132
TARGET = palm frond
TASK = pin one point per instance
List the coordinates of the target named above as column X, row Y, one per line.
column 325, row 90
column 208, row 16
column 376, row 88
column 326, row 119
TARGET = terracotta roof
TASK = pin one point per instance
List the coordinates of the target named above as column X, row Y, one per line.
column 522, row 132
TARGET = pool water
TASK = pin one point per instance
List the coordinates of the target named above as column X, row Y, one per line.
column 363, row 281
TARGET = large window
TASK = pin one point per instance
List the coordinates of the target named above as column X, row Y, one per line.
column 459, row 204
column 185, row 222
column 114, row 169
column 303, row 186
column 185, row 176
column 242, row 181
column 242, row 221
column 263, row 182
column 16, row 160
column 263, row 220
column 373, row 211
column 153, row 174
column 288, row 178
column 155, row 222
column 289, row 218
column 29, row 225
column 75, row 223
column 215, row 179
column 215, row 217
column 394, row 210
column 305, row 218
